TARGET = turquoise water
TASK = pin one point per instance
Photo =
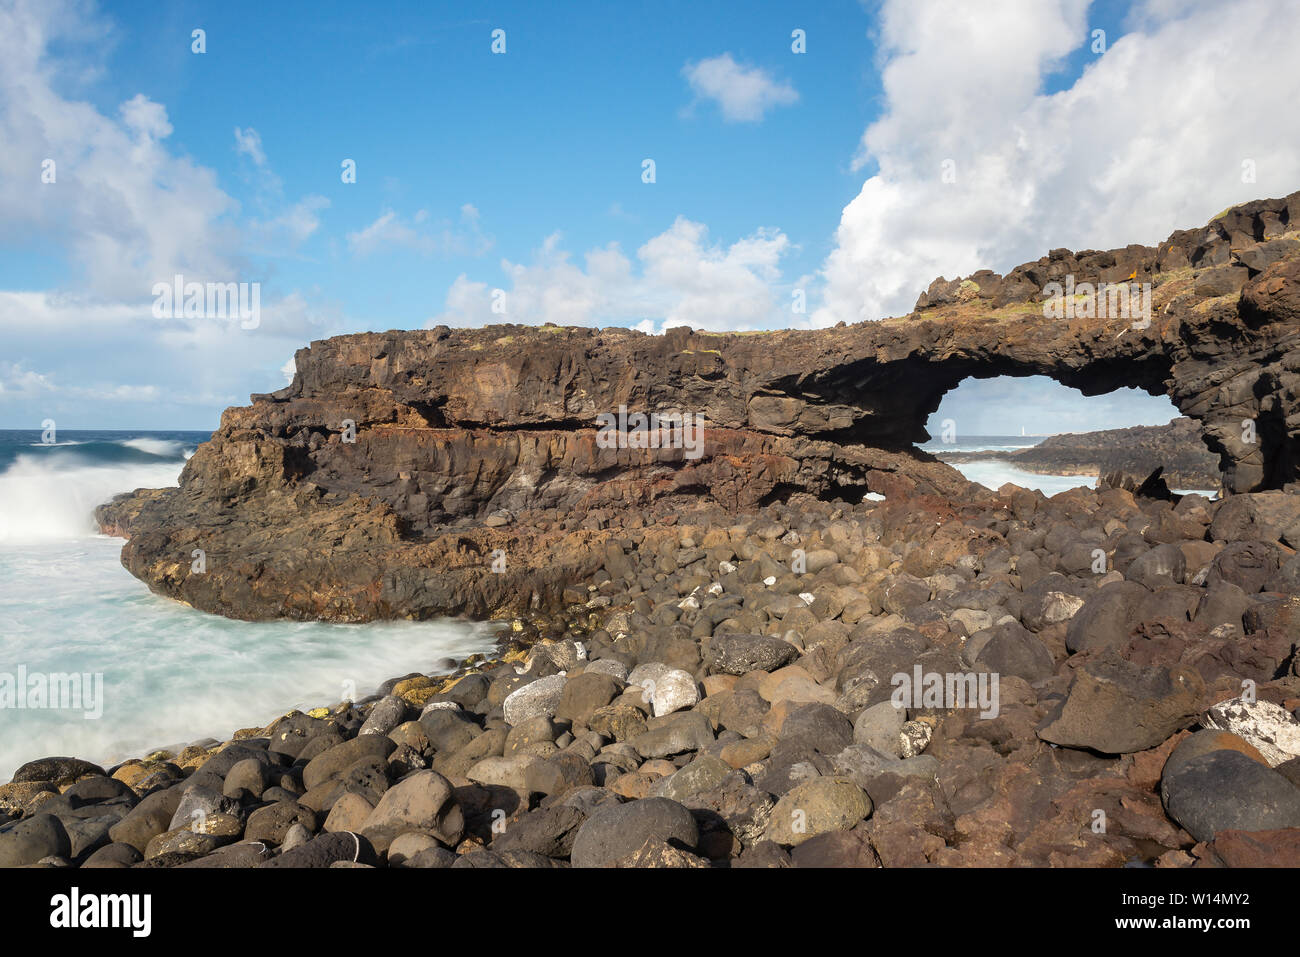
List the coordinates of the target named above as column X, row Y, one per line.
column 170, row 675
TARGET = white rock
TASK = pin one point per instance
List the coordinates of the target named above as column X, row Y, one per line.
column 808, row 597
column 769, row 581
column 608, row 666
column 442, row 705
column 648, row 673
column 1273, row 730
column 716, row 589
column 666, row 689
column 540, row 697
column 726, row 568
column 914, row 738
column 1060, row 606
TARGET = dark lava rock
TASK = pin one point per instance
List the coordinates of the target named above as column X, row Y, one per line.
column 422, row 801
column 56, row 769
column 327, row 849
column 614, row 833
column 29, row 840
column 733, row 654
column 1226, row 790
column 1116, row 707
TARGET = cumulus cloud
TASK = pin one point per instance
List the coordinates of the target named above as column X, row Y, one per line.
column 744, row 94
column 1158, row 133
column 680, row 277
column 128, row 210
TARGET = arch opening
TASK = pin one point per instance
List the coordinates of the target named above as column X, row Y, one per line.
column 1036, row 432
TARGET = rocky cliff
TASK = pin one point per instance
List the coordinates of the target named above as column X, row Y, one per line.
column 414, row 473
column 1177, row 448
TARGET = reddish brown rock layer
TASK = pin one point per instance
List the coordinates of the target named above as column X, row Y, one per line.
column 473, row 441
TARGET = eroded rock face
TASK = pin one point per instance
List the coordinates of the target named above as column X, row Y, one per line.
column 425, row 472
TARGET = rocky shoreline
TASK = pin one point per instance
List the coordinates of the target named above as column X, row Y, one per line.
column 1175, row 448
column 740, row 658
column 724, row 694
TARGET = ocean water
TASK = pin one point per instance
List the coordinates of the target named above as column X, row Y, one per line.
column 994, row 474
column 156, row 673
column 983, row 443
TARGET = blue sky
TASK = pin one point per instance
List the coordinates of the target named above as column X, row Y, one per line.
column 522, row 171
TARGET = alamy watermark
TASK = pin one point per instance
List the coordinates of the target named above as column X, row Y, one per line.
column 949, row 691
column 56, row 691
column 672, row 430
column 208, row 300
column 1103, row 300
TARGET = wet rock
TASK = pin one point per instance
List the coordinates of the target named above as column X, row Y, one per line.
column 385, row 715
column 146, row 820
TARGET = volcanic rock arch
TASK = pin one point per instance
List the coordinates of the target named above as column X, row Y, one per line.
column 460, row 434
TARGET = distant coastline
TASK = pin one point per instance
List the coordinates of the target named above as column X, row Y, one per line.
column 1177, row 447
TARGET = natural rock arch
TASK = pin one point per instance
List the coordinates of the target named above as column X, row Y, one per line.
column 456, row 427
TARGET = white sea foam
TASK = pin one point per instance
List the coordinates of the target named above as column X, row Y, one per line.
column 170, row 674
column 160, row 447
column 46, row 499
column 995, row 474
column 173, row 674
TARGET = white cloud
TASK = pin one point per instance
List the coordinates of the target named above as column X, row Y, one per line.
column 744, row 94
column 292, row 227
column 17, row 380
column 682, row 279
column 1151, row 138
column 249, row 143
column 127, row 209
column 423, row 234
